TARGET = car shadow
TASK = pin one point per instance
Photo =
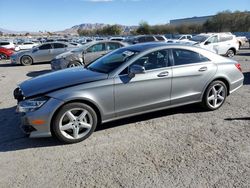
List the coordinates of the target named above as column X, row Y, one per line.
column 37, row 73
column 11, row 136
column 241, row 118
column 13, row 139
column 192, row 108
column 246, row 78
column 243, row 54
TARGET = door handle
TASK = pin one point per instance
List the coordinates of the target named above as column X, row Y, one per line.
column 163, row 74
column 202, row 69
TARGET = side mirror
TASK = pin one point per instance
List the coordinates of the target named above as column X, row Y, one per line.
column 136, row 69
column 206, row 43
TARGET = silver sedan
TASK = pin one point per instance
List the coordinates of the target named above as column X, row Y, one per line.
column 126, row 82
column 42, row 53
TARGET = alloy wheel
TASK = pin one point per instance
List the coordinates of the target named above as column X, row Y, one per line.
column 75, row 123
column 216, row 96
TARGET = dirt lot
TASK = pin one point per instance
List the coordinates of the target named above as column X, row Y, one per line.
column 181, row 147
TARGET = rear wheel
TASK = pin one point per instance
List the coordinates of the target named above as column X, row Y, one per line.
column 215, row 95
column 230, row 53
column 74, row 123
column 74, row 64
column 3, row 56
column 26, row 60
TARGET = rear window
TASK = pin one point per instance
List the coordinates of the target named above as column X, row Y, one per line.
column 225, row 38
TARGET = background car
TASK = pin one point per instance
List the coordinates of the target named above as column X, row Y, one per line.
column 42, row 53
column 145, row 38
column 7, row 44
column 85, row 55
column 176, row 38
column 25, row 46
column 126, row 82
column 5, row 53
column 220, row 43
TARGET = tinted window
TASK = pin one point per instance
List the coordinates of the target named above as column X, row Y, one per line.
column 149, row 38
column 182, row 57
column 59, row 45
column 112, row 46
column 4, row 43
column 45, row 47
column 189, row 37
column 160, row 38
column 97, row 48
column 154, row 60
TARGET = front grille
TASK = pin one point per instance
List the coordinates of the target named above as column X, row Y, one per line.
column 18, row 94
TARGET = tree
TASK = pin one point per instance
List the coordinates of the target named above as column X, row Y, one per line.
column 144, row 28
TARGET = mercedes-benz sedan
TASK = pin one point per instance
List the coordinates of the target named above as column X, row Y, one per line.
column 126, row 82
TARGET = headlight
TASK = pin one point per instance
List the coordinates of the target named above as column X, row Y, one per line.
column 31, row 105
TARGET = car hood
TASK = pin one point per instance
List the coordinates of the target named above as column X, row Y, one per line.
column 58, row 80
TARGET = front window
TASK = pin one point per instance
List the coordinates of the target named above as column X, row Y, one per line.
column 112, row 61
column 199, row 38
column 45, row 47
column 96, row 48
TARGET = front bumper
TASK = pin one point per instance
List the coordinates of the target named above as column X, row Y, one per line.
column 44, row 113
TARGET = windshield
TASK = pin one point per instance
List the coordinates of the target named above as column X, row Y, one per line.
column 199, row 38
column 112, row 61
column 176, row 36
column 83, row 47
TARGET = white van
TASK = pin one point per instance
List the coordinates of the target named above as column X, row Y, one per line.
column 220, row 43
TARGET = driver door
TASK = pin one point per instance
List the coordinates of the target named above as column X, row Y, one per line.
column 94, row 52
column 146, row 91
column 43, row 53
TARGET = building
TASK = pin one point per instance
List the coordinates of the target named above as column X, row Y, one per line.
column 189, row 21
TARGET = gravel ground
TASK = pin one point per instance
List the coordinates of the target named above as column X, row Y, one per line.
column 180, row 147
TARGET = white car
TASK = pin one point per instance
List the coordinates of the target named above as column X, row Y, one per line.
column 25, row 46
column 7, row 44
column 220, row 43
column 179, row 38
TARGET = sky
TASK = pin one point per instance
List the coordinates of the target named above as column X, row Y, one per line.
column 56, row 15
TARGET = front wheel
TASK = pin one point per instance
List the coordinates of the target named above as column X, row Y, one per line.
column 3, row 56
column 74, row 123
column 230, row 53
column 26, row 60
column 215, row 95
column 74, row 64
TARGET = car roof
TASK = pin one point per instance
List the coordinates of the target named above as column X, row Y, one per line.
column 149, row 45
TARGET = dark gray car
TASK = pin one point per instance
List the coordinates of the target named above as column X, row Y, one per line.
column 85, row 55
column 126, row 82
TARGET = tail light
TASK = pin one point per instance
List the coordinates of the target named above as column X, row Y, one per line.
column 238, row 66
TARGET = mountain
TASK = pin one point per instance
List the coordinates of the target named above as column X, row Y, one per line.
column 89, row 26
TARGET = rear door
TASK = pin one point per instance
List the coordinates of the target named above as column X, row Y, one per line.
column 58, row 48
column 43, row 53
column 191, row 72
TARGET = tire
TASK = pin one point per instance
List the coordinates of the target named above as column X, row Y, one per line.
column 230, row 53
column 74, row 64
column 74, row 123
column 26, row 60
column 215, row 95
column 3, row 56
